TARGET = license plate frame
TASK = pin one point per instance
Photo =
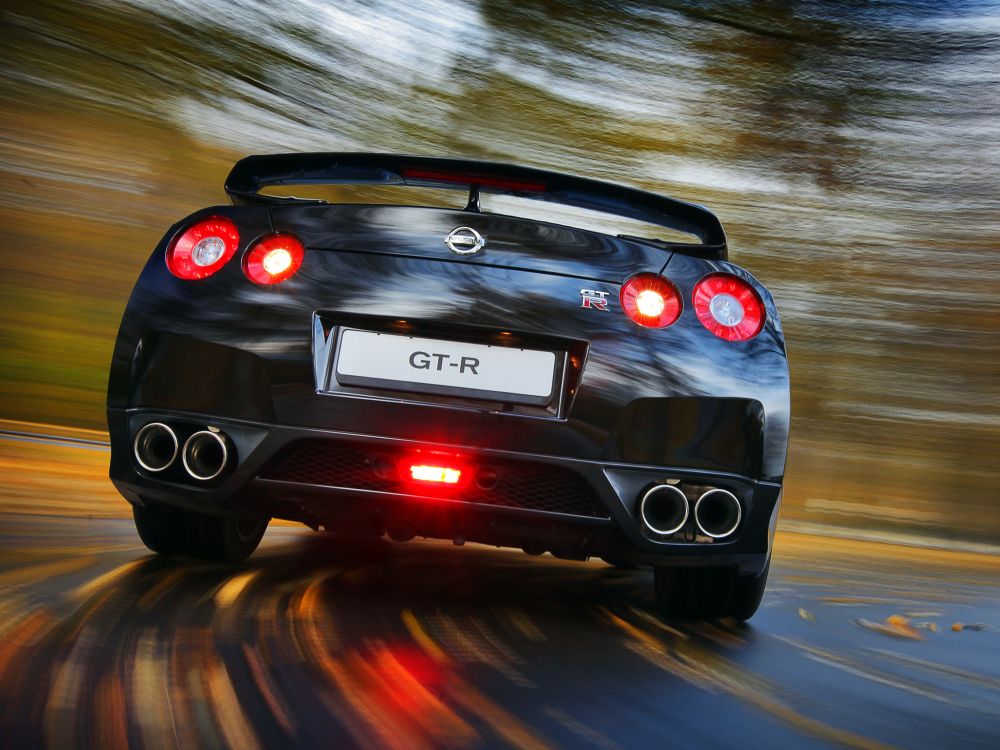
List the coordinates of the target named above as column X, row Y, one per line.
column 442, row 366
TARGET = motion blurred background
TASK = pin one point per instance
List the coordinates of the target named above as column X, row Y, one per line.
column 852, row 150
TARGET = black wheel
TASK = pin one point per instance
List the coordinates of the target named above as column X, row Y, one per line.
column 747, row 594
column 161, row 528
column 174, row 531
column 619, row 562
column 707, row 593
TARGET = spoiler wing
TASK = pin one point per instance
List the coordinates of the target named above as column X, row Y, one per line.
column 251, row 174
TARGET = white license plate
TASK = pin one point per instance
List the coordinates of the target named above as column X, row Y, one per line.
column 386, row 360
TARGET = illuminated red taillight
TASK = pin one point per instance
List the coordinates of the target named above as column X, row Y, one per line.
column 651, row 300
column 273, row 259
column 729, row 307
column 439, row 474
column 203, row 248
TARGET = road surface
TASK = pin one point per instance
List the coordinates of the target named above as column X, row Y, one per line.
column 316, row 642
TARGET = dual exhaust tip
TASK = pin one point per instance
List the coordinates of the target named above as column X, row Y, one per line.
column 665, row 509
column 204, row 455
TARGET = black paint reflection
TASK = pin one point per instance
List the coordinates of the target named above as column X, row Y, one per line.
column 363, row 262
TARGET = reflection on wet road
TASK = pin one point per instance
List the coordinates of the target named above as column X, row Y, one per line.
column 318, row 641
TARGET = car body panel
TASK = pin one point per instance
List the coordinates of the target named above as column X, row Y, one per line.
column 634, row 405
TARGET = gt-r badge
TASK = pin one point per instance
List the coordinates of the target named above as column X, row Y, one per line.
column 593, row 299
column 464, row 241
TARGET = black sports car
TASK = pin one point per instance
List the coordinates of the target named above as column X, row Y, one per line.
column 456, row 374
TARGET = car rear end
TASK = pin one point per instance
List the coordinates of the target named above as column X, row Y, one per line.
column 514, row 395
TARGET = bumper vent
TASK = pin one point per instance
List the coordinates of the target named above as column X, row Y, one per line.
column 522, row 485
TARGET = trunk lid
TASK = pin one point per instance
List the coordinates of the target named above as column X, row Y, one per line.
column 509, row 242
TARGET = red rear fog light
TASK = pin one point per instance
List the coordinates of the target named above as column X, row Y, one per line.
column 437, row 474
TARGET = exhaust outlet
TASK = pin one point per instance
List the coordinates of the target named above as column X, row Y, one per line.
column 155, row 446
column 205, row 455
column 717, row 513
column 664, row 509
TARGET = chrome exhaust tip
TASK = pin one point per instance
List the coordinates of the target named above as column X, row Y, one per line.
column 664, row 509
column 717, row 513
column 155, row 447
column 205, row 455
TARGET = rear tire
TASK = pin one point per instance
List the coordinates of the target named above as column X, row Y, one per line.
column 161, row 528
column 707, row 593
column 619, row 563
column 174, row 531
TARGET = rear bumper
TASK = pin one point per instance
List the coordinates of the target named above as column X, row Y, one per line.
column 260, row 480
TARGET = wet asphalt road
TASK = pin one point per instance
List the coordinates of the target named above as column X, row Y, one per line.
column 319, row 642
column 322, row 643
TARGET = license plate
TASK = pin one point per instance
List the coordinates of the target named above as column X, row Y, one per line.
column 386, row 360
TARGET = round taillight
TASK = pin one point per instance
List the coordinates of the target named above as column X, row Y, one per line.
column 203, row 248
column 650, row 300
column 273, row 259
column 728, row 307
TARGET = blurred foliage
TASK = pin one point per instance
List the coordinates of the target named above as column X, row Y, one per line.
column 850, row 148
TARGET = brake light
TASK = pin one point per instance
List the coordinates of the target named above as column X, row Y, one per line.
column 439, row 474
column 728, row 307
column 650, row 300
column 273, row 259
column 203, row 248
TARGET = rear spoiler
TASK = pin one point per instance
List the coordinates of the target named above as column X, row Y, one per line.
column 251, row 174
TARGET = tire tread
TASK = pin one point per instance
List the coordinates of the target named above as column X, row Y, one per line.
column 175, row 531
column 707, row 593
